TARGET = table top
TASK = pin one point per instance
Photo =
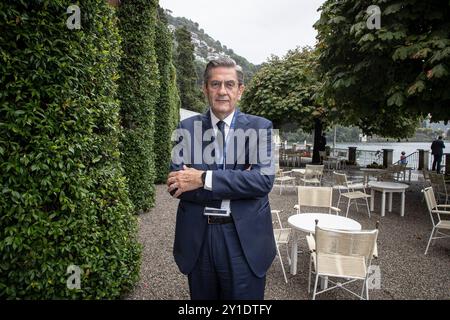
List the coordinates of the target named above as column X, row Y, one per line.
column 371, row 170
column 307, row 222
column 388, row 185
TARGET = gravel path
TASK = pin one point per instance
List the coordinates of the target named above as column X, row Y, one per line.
column 406, row 273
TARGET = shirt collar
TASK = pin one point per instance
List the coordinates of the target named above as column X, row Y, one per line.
column 227, row 120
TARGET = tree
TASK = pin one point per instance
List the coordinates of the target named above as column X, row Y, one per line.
column 186, row 77
column 386, row 79
column 64, row 200
column 285, row 90
column 168, row 104
column 138, row 94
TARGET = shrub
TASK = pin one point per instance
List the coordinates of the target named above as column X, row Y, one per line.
column 168, row 103
column 138, row 93
column 64, row 199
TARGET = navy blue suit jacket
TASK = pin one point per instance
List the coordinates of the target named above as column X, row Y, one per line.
column 248, row 191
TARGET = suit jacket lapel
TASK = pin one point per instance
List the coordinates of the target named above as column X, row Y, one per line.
column 206, row 125
column 241, row 122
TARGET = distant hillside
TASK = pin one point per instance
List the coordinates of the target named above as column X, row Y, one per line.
column 206, row 48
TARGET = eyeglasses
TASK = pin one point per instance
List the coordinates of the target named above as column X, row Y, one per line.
column 229, row 85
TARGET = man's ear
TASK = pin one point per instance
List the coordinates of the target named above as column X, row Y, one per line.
column 241, row 90
column 205, row 90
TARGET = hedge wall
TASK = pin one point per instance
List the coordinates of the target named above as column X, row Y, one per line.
column 168, row 102
column 63, row 199
column 138, row 93
column 190, row 93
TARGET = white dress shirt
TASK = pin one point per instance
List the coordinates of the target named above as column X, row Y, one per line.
column 208, row 179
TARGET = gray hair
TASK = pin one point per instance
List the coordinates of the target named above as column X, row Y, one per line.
column 223, row 62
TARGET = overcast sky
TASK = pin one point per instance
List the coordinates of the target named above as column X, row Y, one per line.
column 254, row 29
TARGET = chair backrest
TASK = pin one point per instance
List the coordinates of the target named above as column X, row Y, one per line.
column 346, row 243
column 386, row 176
column 314, row 171
column 277, row 213
column 430, row 199
column 320, row 197
column 438, row 182
column 340, row 179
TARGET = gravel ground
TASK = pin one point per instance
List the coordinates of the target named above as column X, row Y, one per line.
column 406, row 273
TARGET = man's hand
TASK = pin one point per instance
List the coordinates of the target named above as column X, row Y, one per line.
column 184, row 180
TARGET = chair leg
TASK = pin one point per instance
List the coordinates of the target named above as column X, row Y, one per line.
column 315, row 286
column 309, row 276
column 429, row 241
column 368, row 209
column 348, row 207
column 367, row 292
column 287, row 254
column 364, row 286
column 281, row 262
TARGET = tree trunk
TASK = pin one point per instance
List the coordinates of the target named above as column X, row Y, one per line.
column 317, row 136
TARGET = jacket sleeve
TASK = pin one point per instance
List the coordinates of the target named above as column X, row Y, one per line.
column 199, row 196
column 254, row 183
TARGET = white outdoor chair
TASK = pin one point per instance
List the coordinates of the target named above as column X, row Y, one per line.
column 313, row 174
column 282, row 236
column 438, row 210
column 342, row 254
column 347, row 190
column 317, row 197
column 439, row 186
column 285, row 177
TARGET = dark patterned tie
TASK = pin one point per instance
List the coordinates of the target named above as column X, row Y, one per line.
column 220, row 138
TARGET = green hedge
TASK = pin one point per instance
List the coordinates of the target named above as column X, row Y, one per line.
column 138, row 93
column 190, row 94
column 63, row 199
column 168, row 103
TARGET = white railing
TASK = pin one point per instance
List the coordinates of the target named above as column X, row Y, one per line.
column 365, row 157
column 412, row 160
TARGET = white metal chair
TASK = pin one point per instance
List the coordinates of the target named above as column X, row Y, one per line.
column 282, row 236
column 347, row 190
column 439, row 186
column 342, row 254
column 284, row 177
column 317, row 197
column 313, row 174
column 438, row 210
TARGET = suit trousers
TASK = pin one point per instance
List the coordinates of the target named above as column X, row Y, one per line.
column 222, row 271
column 437, row 159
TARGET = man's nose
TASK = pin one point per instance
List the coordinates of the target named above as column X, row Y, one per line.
column 222, row 89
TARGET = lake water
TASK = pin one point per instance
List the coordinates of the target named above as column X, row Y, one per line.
column 398, row 147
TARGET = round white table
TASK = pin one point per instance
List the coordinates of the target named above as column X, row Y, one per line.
column 390, row 188
column 306, row 222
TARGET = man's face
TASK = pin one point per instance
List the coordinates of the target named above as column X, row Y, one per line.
column 223, row 91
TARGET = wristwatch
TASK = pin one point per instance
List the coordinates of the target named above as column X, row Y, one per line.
column 203, row 177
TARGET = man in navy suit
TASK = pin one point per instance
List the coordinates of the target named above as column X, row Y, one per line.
column 437, row 150
column 224, row 238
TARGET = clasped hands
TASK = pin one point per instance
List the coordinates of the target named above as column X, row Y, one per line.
column 184, row 180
